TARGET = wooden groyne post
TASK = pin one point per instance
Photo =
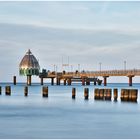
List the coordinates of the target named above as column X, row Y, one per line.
column 0, row 90
column 102, row 94
column 26, row 91
column 45, row 91
column 8, row 90
column 115, row 94
column 86, row 93
column 130, row 95
column 73, row 93
column 14, row 80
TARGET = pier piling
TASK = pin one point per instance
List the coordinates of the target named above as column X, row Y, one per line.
column 130, row 79
column 65, row 81
column 29, row 80
column 69, row 81
column 41, row 81
column 105, row 80
column 52, row 81
column 83, row 81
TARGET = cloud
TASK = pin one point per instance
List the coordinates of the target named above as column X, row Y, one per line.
column 87, row 32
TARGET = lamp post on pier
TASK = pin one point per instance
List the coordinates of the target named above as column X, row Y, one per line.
column 100, row 66
column 125, row 65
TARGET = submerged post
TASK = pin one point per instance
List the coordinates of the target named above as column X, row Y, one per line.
column 0, row 90
column 26, row 91
column 14, row 80
column 8, row 90
column 86, row 92
column 44, row 91
column 115, row 94
column 73, row 93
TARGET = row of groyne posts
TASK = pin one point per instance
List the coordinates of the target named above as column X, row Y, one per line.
column 130, row 95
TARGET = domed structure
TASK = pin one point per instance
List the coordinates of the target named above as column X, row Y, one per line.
column 29, row 65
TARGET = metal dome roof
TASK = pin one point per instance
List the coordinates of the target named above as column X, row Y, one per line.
column 29, row 61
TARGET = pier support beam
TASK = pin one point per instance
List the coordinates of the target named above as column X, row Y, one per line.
column 58, row 81
column 105, row 80
column 130, row 79
column 83, row 81
column 29, row 80
column 65, row 81
column 14, row 80
column 41, row 81
column 87, row 82
column 52, row 81
column 69, row 81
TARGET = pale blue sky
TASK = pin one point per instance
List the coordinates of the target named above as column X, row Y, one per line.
column 87, row 32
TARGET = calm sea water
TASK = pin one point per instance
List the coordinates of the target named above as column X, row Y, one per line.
column 61, row 117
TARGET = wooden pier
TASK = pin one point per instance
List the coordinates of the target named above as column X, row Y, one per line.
column 86, row 77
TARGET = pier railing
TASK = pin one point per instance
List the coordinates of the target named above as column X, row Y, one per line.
column 131, row 72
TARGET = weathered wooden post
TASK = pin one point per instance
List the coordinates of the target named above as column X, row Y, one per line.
column 101, row 92
column 26, row 91
column 126, row 95
column 65, row 81
column 73, row 93
column 86, row 92
column 44, row 91
column 0, row 90
column 105, row 80
column 130, row 79
column 52, row 81
column 122, row 94
column 29, row 80
column 14, row 80
column 69, row 81
column 133, row 93
column 8, row 90
column 115, row 94
column 108, row 94
column 96, row 94
column 87, row 81
column 41, row 80
column 83, row 81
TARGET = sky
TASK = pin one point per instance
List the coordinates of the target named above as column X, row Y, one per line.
column 88, row 33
